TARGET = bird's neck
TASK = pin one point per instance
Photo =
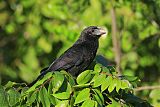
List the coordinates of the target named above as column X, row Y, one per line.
column 90, row 40
column 86, row 37
column 89, row 37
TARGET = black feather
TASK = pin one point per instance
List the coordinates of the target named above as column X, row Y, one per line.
column 78, row 57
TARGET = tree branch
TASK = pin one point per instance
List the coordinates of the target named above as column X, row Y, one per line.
column 115, row 40
column 146, row 88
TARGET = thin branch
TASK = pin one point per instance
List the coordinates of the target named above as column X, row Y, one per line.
column 42, row 85
column 146, row 88
column 115, row 40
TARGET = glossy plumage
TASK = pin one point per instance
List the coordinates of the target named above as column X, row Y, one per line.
column 78, row 57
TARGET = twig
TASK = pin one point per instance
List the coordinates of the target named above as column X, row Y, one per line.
column 146, row 88
column 37, row 89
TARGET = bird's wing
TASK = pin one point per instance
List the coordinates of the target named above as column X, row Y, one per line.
column 72, row 57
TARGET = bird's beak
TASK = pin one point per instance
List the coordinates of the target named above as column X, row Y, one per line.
column 101, row 31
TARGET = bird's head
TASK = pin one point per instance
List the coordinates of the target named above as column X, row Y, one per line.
column 93, row 32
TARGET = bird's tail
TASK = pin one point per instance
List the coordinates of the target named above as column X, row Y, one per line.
column 43, row 72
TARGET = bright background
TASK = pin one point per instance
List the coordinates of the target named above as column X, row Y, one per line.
column 35, row 32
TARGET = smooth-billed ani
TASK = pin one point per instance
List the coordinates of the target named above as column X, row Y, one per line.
column 79, row 56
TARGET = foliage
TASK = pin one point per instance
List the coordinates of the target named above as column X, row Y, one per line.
column 35, row 32
column 92, row 88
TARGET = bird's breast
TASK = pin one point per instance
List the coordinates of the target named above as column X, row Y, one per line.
column 91, row 51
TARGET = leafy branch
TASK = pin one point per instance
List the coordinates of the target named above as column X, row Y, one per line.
column 92, row 88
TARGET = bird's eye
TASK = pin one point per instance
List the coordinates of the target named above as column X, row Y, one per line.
column 92, row 30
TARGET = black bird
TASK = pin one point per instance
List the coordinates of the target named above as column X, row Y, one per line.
column 79, row 56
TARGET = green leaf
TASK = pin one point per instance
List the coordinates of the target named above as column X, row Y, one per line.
column 10, row 84
column 84, row 77
column 95, row 76
column 105, row 69
column 71, row 81
column 13, row 96
column 38, row 96
column 3, row 98
column 31, row 98
column 69, row 78
column 58, row 81
column 50, row 87
column 81, row 86
column 62, row 103
column 112, row 85
column 95, row 104
column 88, row 103
column 64, row 91
column 106, row 83
column 50, row 92
column 63, row 95
column 69, row 88
column 44, row 97
column 124, row 84
column 47, row 76
column 98, row 97
column 52, row 99
column 82, row 96
column 24, row 89
column 118, row 85
column 130, row 78
column 98, row 68
column 99, row 80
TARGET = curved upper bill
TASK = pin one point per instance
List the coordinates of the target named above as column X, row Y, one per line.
column 101, row 31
